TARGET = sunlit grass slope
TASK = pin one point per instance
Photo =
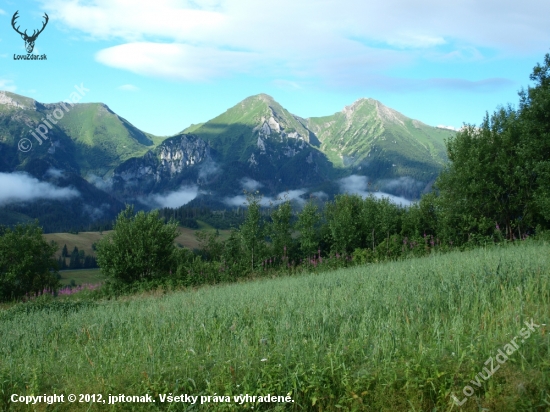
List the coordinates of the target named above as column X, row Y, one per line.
column 233, row 133
column 391, row 337
column 367, row 132
column 104, row 139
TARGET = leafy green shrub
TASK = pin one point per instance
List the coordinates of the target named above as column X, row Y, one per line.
column 27, row 262
column 141, row 247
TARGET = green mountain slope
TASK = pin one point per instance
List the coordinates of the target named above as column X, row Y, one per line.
column 365, row 138
column 97, row 139
column 102, row 138
column 371, row 137
column 234, row 134
column 191, row 128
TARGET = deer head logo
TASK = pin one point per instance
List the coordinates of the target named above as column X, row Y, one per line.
column 29, row 40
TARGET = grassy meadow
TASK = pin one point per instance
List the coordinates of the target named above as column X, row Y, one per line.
column 84, row 240
column 399, row 336
column 81, row 276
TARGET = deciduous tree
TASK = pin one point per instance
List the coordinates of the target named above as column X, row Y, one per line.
column 252, row 230
column 280, row 229
column 308, row 220
column 27, row 261
column 141, row 247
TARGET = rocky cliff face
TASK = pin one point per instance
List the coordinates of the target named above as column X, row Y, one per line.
column 283, row 155
column 12, row 100
column 273, row 129
column 180, row 153
column 176, row 161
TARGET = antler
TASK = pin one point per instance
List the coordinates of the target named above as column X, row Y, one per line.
column 15, row 16
column 35, row 35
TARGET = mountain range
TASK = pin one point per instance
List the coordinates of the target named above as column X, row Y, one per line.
column 92, row 161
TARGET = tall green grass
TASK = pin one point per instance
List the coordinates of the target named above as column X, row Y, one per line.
column 400, row 336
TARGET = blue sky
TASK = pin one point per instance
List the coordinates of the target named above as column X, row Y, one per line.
column 165, row 64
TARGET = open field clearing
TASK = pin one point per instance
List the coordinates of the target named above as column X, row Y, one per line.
column 401, row 336
column 187, row 237
column 81, row 276
column 84, row 240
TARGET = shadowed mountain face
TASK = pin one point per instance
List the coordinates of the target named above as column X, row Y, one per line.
column 78, row 142
column 256, row 144
column 61, row 199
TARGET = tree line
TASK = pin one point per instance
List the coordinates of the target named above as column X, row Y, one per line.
column 77, row 259
column 188, row 216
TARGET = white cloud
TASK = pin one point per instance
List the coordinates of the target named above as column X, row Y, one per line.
column 53, row 172
column 135, row 20
column 394, row 199
column 401, row 183
column 292, row 195
column 96, row 213
column 299, row 40
column 22, row 187
column 2, row 11
column 98, row 182
column 172, row 199
column 250, row 184
column 207, row 169
column 460, row 54
column 128, row 88
column 354, row 184
column 307, row 24
column 320, row 195
column 176, row 61
column 358, row 185
column 415, row 41
column 8, row 85
column 235, row 201
column 447, row 127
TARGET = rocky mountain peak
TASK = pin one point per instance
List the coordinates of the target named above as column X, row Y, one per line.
column 266, row 98
column 16, row 101
column 350, row 110
column 258, row 99
column 388, row 114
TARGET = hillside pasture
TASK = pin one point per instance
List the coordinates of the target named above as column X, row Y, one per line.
column 399, row 336
column 84, row 240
